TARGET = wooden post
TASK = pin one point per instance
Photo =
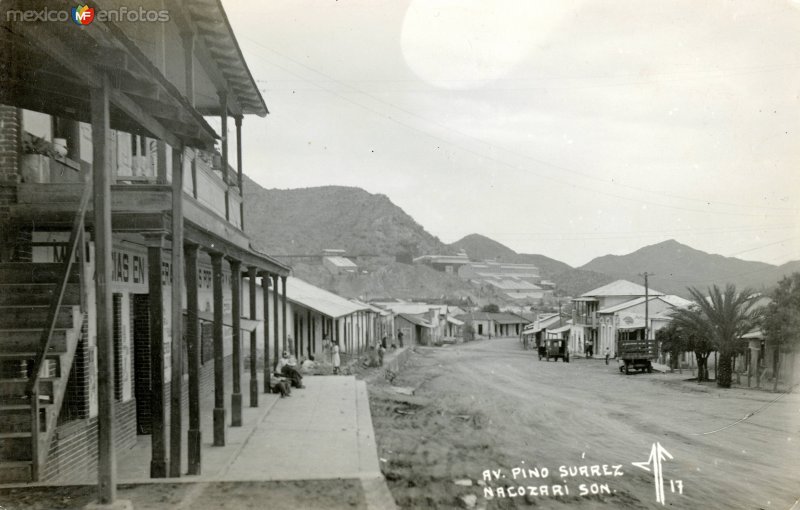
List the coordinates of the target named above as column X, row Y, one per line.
column 265, row 291
column 285, row 329
column 219, row 353
column 161, row 162
column 106, row 462
column 193, row 438
column 236, row 310
column 194, row 177
column 176, row 372
column 238, row 121
column 276, row 339
column 188, row 65
column 223, row 105
column 252, row 275
column 155, row 260
column 308, row 332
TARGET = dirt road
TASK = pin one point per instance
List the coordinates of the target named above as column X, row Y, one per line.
column 531, row 433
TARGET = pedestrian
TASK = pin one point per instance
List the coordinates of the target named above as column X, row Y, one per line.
column 383, row 342
column 589, row 348
column 400, row 338
column 608, row 354
column 336, row 360
column 381, row 349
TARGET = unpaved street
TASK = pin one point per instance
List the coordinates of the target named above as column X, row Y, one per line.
column 489, row 408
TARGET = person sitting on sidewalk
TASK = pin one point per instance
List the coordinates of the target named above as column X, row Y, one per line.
column 280, row 385
column 287, row 366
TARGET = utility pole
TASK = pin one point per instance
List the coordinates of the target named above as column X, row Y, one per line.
column 646, row 305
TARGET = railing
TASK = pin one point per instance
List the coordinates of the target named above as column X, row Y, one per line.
column 586, row 320
column 204, row 180
column 75, row 241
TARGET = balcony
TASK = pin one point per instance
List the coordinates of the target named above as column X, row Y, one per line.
column 587, row 320
column 50, row 189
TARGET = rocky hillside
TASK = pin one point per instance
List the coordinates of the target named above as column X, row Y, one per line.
column 677, row 266
column 306, row 221
column 479, row 247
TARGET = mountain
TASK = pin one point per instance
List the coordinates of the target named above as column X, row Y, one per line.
column 479, row 247
column 676, row 266
column 569, row 281
column 394, row 279
column 306, row 221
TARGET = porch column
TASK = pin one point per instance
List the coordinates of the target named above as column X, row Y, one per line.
column 223, row 105
column 188, row 65
column 285, row 328
column 252, row 275
column 236, row 311
column 238, row 122
column 219, row 353
column 755, row 347
column 276, row 339
column 155, row 260
column 308, row 332
column 176, row 368
column 265, row 291
column 106, row 463
column 193, row 437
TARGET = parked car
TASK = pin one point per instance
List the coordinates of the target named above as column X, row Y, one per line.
column 556, row 348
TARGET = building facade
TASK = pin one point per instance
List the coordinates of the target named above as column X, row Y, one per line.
column 124, row 254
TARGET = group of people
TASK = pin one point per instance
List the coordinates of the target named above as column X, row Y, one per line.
column 288, row 375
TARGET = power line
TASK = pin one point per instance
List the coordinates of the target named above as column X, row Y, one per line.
column 494, row 147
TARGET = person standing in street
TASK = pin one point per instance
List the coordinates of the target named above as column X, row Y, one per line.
column 608, row 354
column 400, row 337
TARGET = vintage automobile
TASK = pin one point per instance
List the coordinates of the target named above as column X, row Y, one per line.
column 555, row 348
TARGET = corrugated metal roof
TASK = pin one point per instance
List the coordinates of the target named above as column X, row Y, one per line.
column 500, row 318
column 621, row 288
column 341, row 262
column 414, row 308
column 674, row 301
column 415, row 320
column 319, row 300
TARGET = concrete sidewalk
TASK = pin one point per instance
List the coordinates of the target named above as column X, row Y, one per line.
column 323, row 431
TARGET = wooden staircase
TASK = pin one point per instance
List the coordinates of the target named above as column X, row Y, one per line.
column 27, row 291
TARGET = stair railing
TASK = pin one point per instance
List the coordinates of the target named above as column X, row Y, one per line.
column 75, row 246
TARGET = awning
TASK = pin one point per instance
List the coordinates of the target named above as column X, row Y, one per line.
column 453, row 320
column 227, row 320
column 754, row 335
column 416, row 320
column 559, row 330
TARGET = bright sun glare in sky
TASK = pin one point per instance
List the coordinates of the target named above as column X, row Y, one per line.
column 462, row 44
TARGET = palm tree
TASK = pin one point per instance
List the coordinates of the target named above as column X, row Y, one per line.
column 693, row 333
column 722, row 317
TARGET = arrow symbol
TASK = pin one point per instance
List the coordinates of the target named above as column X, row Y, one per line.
column 658, row 454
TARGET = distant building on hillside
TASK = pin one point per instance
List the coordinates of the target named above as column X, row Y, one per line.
column 336, row 262
column 444, row 263
column 516, row 281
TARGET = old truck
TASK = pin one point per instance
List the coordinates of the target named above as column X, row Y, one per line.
column 636, row 354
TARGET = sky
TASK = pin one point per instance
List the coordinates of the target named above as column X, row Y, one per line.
column 573, row 129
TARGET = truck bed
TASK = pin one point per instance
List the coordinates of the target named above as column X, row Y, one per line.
column 637, row 349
